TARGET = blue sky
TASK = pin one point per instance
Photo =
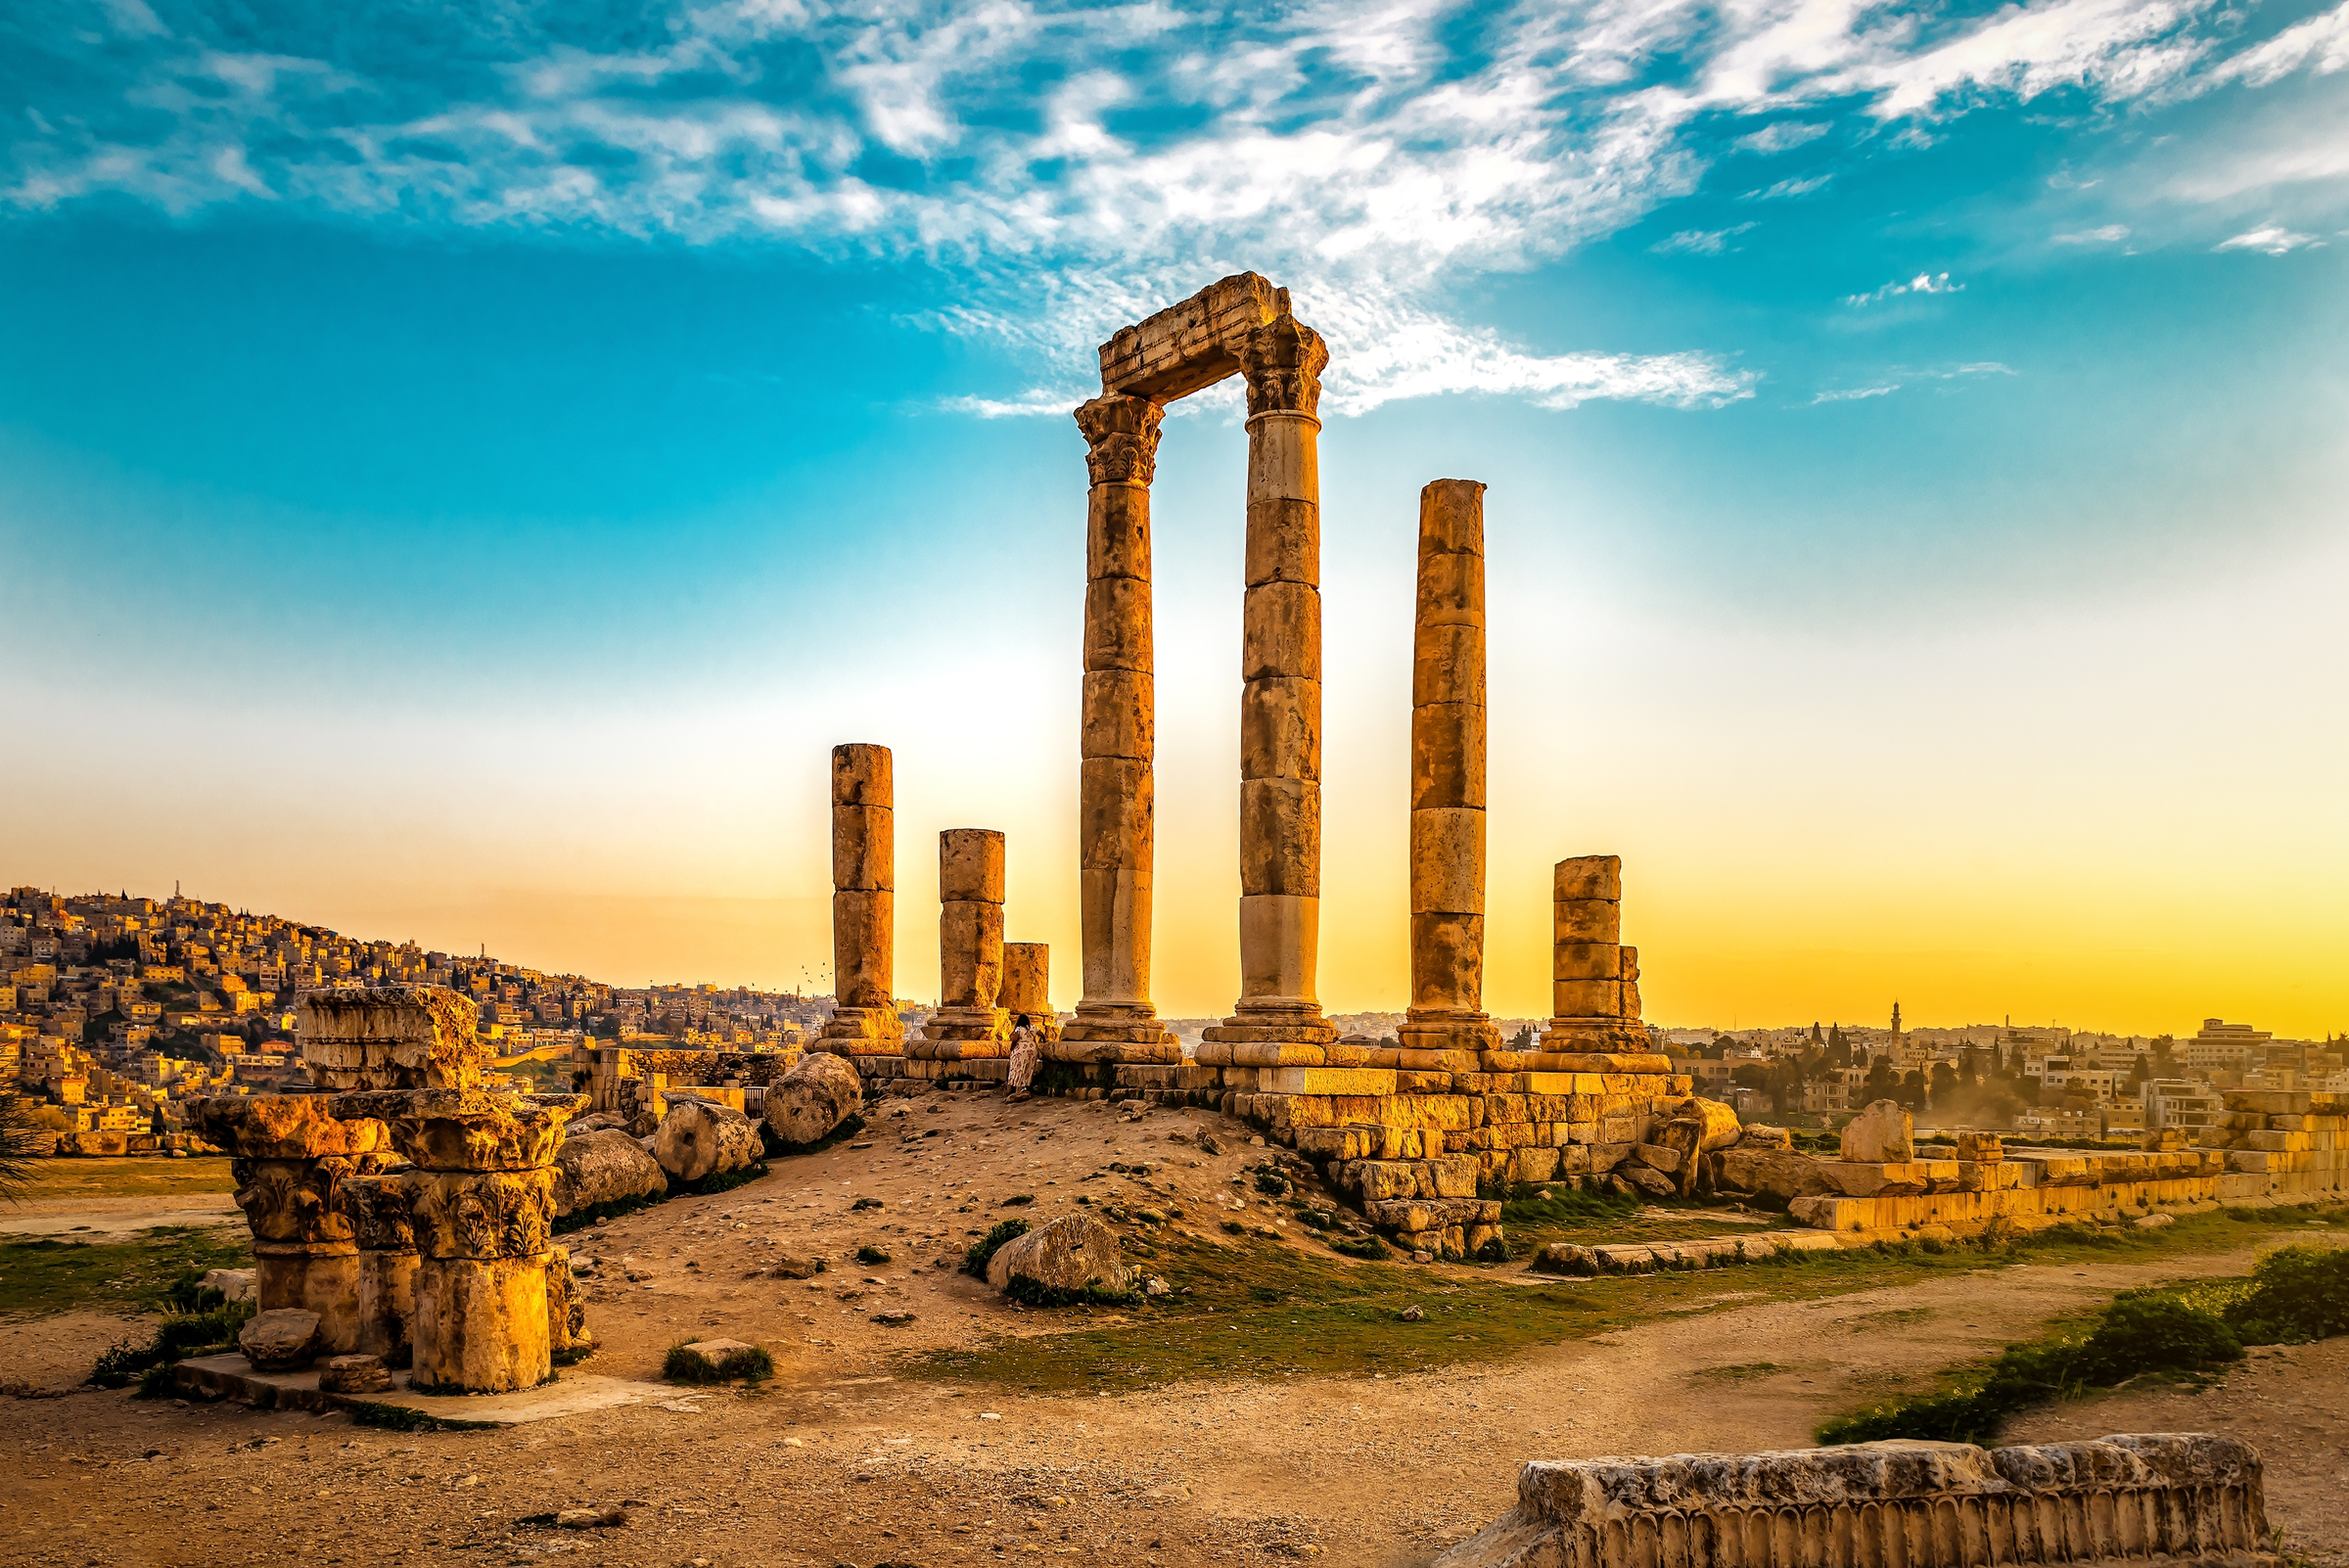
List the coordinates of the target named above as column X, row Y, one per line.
column 630, row 404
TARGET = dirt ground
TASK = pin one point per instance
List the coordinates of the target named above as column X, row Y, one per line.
column 855, row 1454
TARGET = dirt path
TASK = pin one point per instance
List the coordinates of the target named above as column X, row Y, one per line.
column 867, row 1469
column 840, row 1461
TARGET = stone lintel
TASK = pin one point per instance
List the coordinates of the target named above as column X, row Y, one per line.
column 1166, row 1050
column 1190, row 345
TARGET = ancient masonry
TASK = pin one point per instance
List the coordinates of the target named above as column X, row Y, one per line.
column 407, row 1208
column 970, row 1023
column 864, row 881
column 2162, row 1497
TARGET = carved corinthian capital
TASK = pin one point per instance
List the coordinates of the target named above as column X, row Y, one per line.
column 1283, row 361
column 1121, row 434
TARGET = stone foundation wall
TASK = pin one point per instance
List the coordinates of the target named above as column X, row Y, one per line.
column 2164, row 1497
column 2283, row 1144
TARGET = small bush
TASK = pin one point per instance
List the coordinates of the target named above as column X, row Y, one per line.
column 2147, row 1331
column 870, row 1254
column 1494, row 1250
column 1029, row 1292
column 1017, row 1200
column 682, row 1366
column 866, row 1202
column 721, row 1181
column 2297, row 1294
column 1272, row 1183
column 977, row 1256
column 177, row 1337
column 1525, row 1205
column 1368, row 1248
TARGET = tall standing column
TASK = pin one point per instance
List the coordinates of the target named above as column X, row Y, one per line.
column 1281, row 697
column 1448, row 786
column 969, row 1023
column 864, row 879
column 1115, row 1019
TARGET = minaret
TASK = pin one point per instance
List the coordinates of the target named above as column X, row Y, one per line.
column 1896, row 1017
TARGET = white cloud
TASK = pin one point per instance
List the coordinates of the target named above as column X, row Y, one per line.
column 1699, row 242
column 1074, row 168
column 1854, row 395
column 1778, row 138
column 2272, row 239
column 1788, row 188
column 1922, row 282
column 2109, row 234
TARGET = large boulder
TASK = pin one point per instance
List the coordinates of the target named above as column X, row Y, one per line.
column 604, row 1165
column 1068, row 1254
column 1881, row 1134
column 285, row 1340
column 698, row 1138
column 808, row 1103
column 1777, row 1176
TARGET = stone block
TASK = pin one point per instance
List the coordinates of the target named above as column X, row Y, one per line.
column 281, row 1340
column 1447, row 665
column 390, row 1037
column 483, row 1214
column 1326, row 1081
column 481, row 1326
column 1117, row 623
column 1280, row 837
column 1586, row 960
column 1588, row 876
column 1280, row 633
column 1587, row 920
column 1280, row 728
column 1448, row 755
column 1881, row 1134
column 1451, row 589
column 1448, row 861
column 1587, row 998
column 1192, row 345
column 970, row 865
column 1119, row 713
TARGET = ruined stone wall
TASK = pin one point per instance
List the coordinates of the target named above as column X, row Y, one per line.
column 2162, row 1497
column 2283, row 1143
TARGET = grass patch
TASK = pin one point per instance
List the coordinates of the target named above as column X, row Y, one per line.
column 980, row 1252
column 136, row 1176
column 2292, row 1295
column 752, row 1363
column 1256, row 1307
column 46, row 1275
column 780, row 1148
column 405, row 1418
column 1029, row 1292
column 720, row 1181
column 583, row 1218
column 197, row 1322
column 870, row 1254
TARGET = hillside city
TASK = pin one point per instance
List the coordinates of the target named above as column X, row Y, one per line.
column 117, row 1011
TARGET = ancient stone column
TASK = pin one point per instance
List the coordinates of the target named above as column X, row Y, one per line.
column 1281, row 697
column 1595, row 978
column 1114, row 792
column 292, row 1154
column 384, row 1226
column 482, row 1197
column 1447, row 1023
column 1028, row 985
column 968, row 1022
column 865, row 878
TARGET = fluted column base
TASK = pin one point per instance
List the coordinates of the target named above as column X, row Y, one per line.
column 963, row 1034
column 862, row 1032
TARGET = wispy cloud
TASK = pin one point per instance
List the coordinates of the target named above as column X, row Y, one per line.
column 1787, row 188
column 1922, row 282
column 1072, row 167
column 2272, row 239
column 1700, row 241
column 1854, row 395
column 2109, row 234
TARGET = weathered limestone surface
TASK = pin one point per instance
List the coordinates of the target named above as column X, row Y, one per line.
column 390, row 1036
column 1595, row 978
column 1447, row 781
column 482, row 1324
column 864, row 884
column 811, row 1099
column 1882, row 1133
column 1280, row 696
column 607, row 1166
column 699, row 1140
column 1068, row 1254
column 1116, row 804
column 2282, row 1143
column 2177, row 1497
column 282, row 1339
column 383, row 1227
column 1028, row 986
column 970, row 1022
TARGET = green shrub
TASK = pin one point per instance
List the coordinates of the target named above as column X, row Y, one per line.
column 1494, row 1250
column 2297, row 1294
column 1524, row 1204
column 1368, row 1248
column 720, row 1181
column 1029, row 1292
column 870, row 1254
column 976, row 1257
column 177, row 1337
column 2149, row 1331
column 683, row 1365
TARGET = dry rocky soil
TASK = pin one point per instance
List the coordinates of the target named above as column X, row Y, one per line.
column 1278, row 1406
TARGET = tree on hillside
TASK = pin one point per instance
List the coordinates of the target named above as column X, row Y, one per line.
column 20, row 1136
